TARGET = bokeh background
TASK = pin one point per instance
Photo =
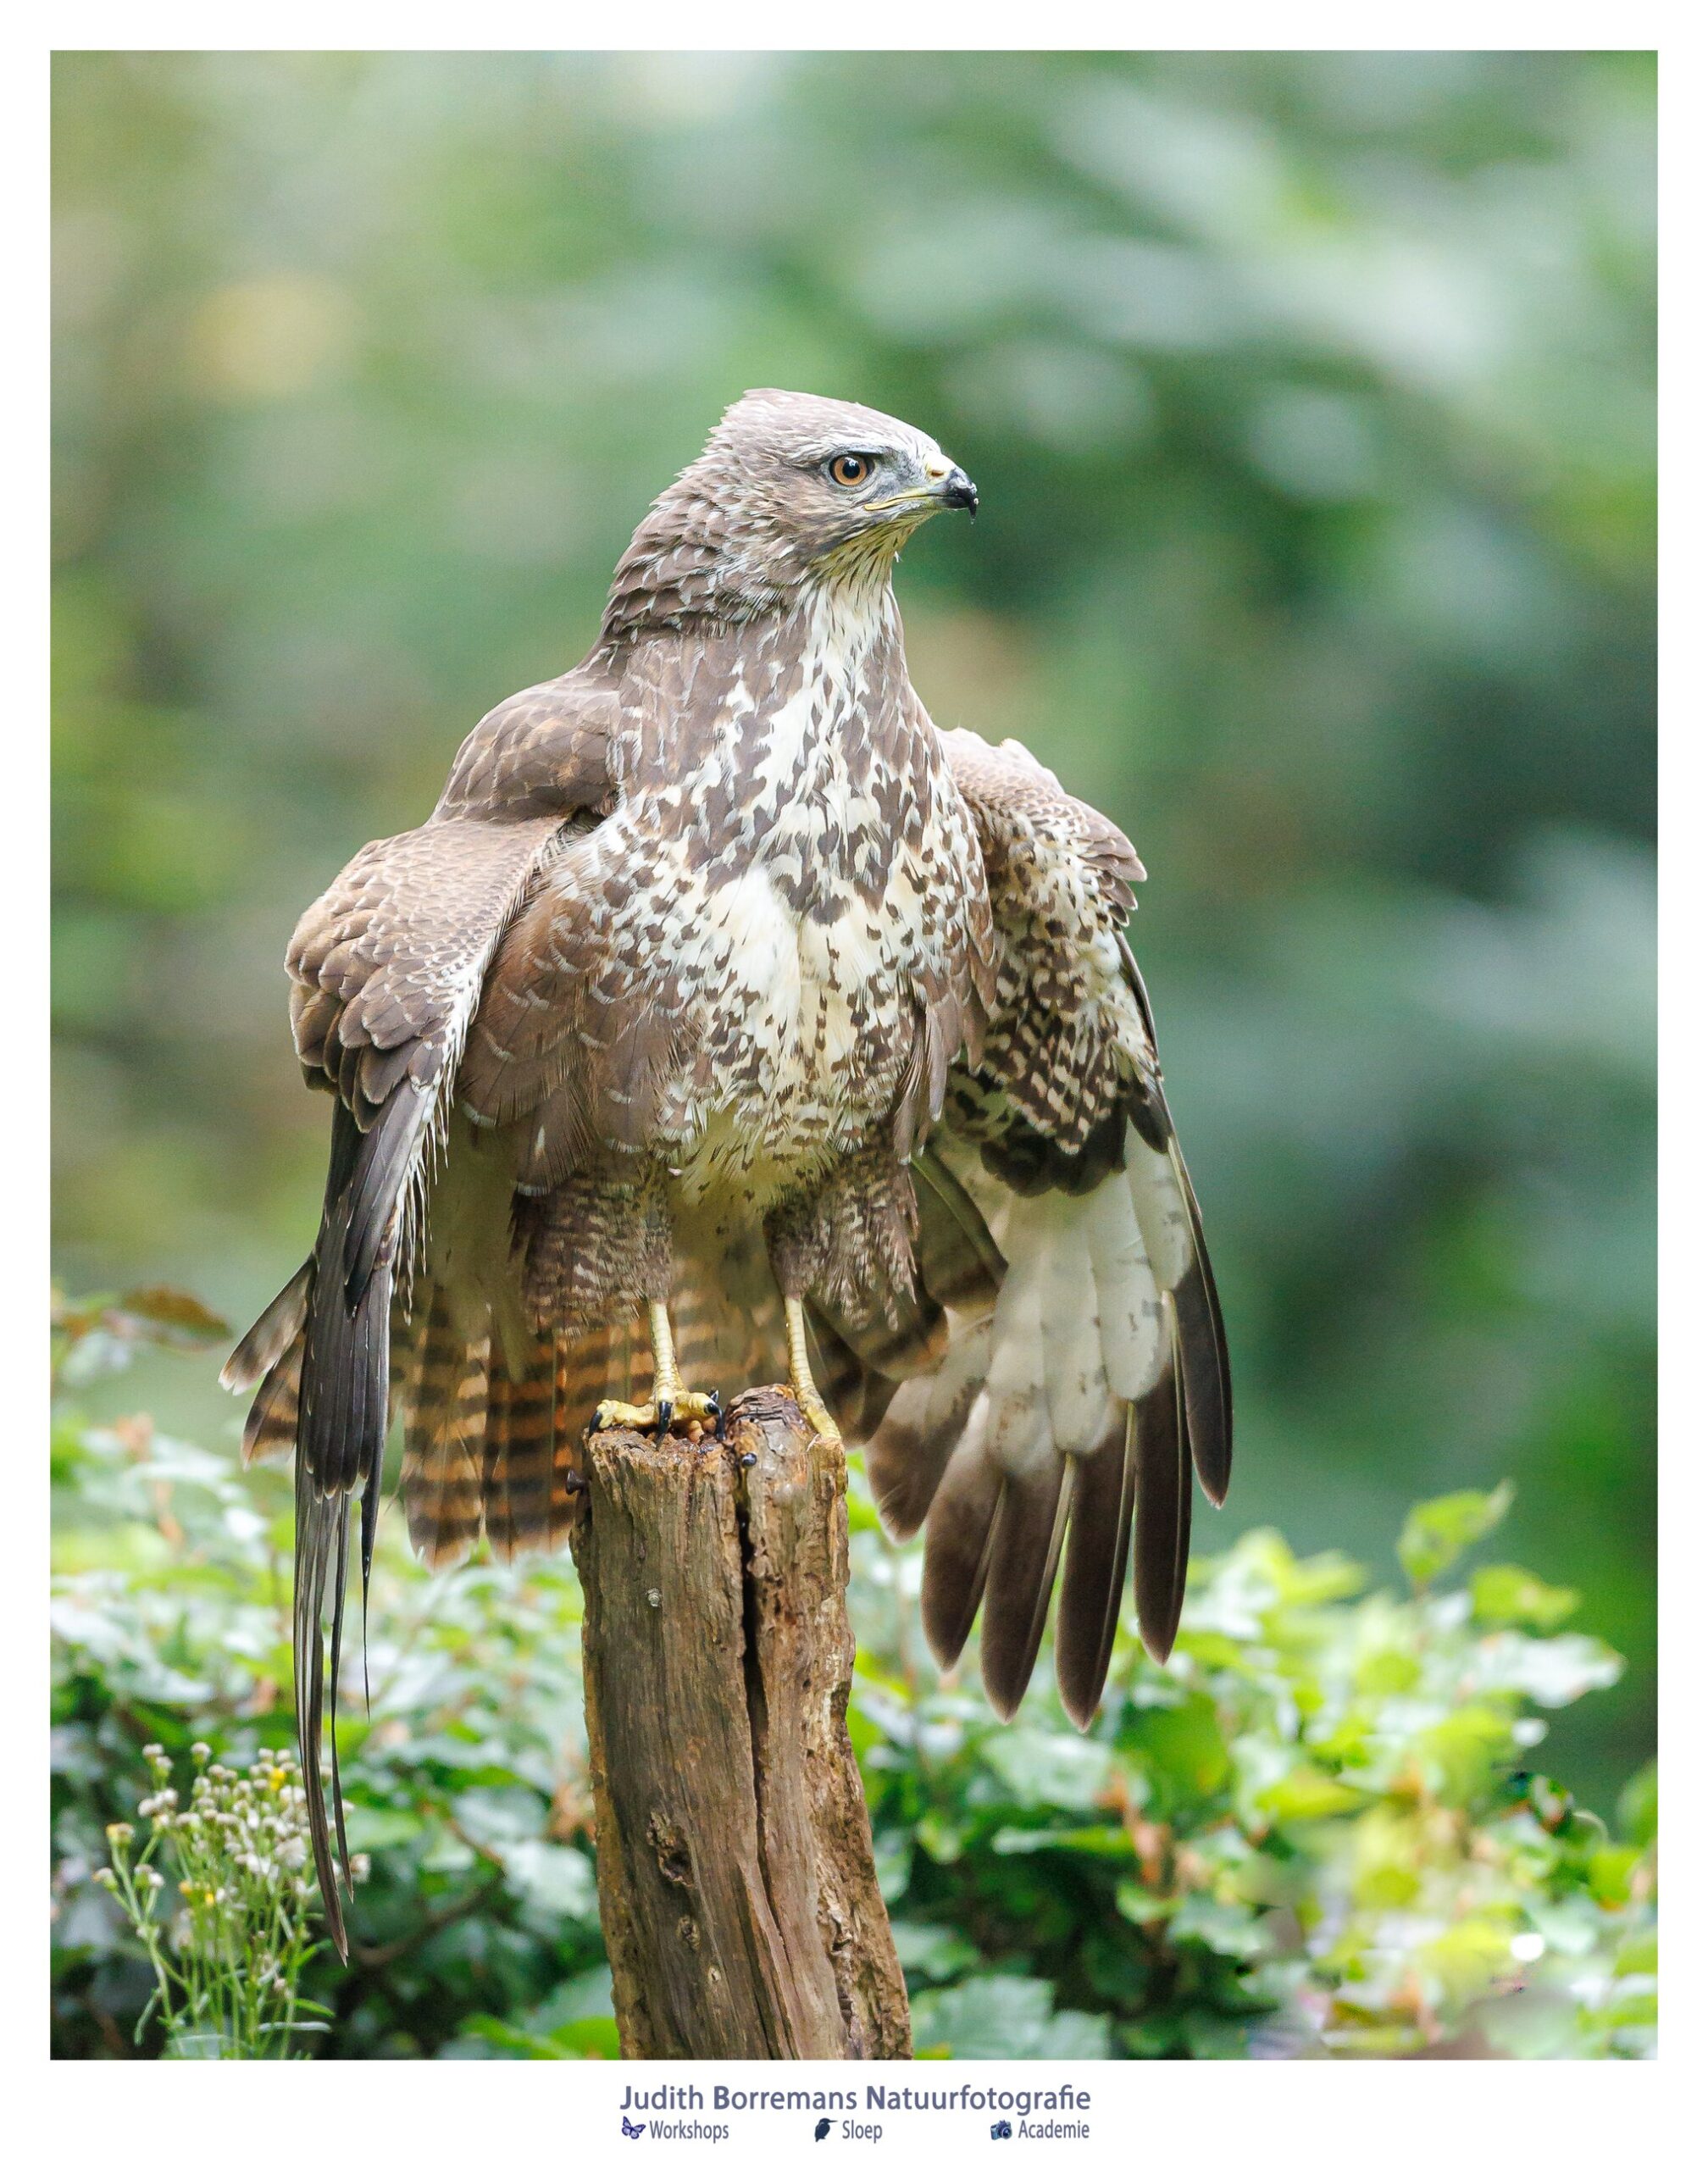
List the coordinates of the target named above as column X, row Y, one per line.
column 1311, row 400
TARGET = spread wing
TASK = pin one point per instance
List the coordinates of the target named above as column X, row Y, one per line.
column 386, row 972
column 1062, row 1424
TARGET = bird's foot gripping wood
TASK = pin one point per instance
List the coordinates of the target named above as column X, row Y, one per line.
column 802, row 1383
column 660, row 1415
column 672, row 1402
column 818, row 1416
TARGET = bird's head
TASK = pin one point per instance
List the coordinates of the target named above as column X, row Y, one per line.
column 792, row 492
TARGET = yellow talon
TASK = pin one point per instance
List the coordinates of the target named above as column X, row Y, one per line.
column 671, row 1403
column 660, row 1415
column 801, row 1379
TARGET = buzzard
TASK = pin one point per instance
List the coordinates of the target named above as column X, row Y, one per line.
column 726, row 1017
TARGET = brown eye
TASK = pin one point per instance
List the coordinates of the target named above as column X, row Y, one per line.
column 850, row 468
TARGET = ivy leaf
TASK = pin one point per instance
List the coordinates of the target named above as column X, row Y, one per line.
column 1638, row 1811
column 1306, row 1794
column 1508, row 1596
column 929, row 1948
column 1060, row 1770
column 1437, row 1531
column 1003, row 2016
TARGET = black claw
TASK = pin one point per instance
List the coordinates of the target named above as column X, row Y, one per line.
column 596, row 1421
column 574, row 1484
column 748, row 1460
column 714, row 1409
column 667, row 1417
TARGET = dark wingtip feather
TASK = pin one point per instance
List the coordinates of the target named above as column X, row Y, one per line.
column 340, row 1443
column 1025, row 1544
column 1203, row 1360
column 381, row 1161
column 907, row 1453
column 958, row 1530
column 1162, row 1516
column 1203, row 1337
column 1203, row 1341
column 319, row 1521
column 259, row 1350
column 1094, row 1568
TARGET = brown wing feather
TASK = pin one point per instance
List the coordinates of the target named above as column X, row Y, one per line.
column 386, row 969
column 1058, row 1137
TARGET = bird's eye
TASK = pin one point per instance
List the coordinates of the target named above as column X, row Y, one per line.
column 850, row 468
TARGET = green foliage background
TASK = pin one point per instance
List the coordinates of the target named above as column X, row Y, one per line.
column 1311, row 400
column 1319, row 1832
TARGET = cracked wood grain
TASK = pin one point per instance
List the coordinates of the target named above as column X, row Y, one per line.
column 739, row 1902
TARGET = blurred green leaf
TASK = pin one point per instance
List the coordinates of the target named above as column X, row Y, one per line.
column 1640, row 1806
column 1305, row 1794
column 1002, row 2017
column 1507, row 1596
column 1439, row 1530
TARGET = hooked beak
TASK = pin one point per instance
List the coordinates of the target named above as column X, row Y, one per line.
column 952, row 487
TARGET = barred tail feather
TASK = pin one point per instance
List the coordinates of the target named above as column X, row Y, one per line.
column 444, row 1433
column 526, row 1510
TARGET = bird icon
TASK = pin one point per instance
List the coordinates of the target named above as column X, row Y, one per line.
column 821, row 2128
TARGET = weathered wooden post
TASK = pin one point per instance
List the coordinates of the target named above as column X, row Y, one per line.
column 736, row 1886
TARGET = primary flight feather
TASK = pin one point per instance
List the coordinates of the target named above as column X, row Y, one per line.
column 726, row 1018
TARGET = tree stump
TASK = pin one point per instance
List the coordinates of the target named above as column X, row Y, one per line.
column 736, row 1887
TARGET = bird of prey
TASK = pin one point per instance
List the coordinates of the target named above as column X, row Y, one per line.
column 727, row 1020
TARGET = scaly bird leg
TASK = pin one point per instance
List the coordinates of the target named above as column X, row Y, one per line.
column 801, row 1381
column 671, row 1402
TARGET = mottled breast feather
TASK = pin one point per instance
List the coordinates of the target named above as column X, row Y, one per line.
column 781, row 936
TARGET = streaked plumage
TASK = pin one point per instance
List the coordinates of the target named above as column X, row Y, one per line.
column 721, row 990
